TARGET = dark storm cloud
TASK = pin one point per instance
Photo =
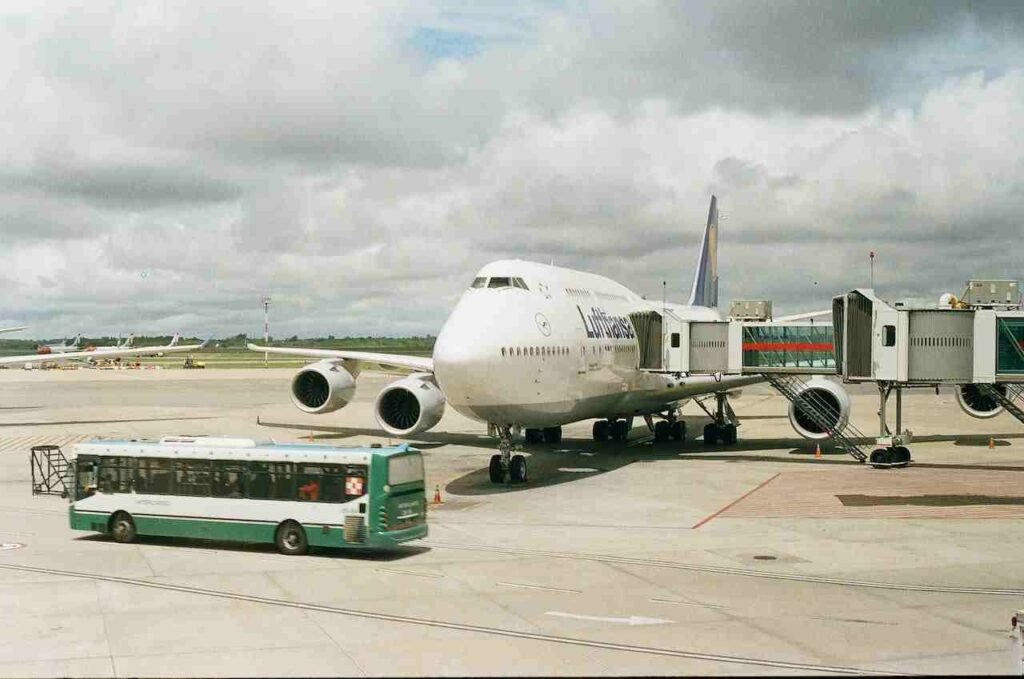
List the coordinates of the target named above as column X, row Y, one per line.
column 167, row 165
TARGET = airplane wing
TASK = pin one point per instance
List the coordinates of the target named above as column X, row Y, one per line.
column 360, row 360
column 698, row 385
column 113, row 353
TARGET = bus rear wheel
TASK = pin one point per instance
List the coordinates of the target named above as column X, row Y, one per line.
column 291, row 538
column 122, row 527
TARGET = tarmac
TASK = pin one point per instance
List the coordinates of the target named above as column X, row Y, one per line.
column 614, row 559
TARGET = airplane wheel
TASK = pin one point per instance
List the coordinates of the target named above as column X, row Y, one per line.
column 601, row 430
column 710, row 434
column 534, row 435
column 662, row 431
column 678, row 430
column 517, row 469
column 553, row 435
column 620, row 430
column 494, row 470
column 728, row 434
column 879, row 458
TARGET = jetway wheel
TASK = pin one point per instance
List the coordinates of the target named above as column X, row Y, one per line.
column 494, row 469
column 900, row 456
column 517, row 469
column 880, row 458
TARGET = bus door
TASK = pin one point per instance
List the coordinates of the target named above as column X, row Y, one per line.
column 84, row 471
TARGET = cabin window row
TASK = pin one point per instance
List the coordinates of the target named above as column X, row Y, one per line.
column 542, row 352
column 220, row 478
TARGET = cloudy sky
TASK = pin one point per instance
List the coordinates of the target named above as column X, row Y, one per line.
column 166, row 164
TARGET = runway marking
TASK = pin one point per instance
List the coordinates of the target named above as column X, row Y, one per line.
column 465, row 627
column 8, row 546
column 631, row 620
column 416, row 573
column 736, row 501
column 577, row 470
column 524, row 585
column 726, row 570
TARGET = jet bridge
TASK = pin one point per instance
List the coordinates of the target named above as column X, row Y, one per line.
column 979, row 348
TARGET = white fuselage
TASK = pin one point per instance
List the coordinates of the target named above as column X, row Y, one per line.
column 559, row 350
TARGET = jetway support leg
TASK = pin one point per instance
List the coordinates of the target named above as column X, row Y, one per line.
column 894, row 452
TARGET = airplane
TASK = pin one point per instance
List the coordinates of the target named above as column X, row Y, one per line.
column 61, row 348
column 20, row 327
column 173, row 347
column 531, row 347
column 127, row 343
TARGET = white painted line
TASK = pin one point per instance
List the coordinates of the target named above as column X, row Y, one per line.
column 631, row 620
column 5, row 546
column 578, row 470
column 544, row 587
column 416, row 573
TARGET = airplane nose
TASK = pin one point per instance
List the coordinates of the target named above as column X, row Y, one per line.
column 465, row 350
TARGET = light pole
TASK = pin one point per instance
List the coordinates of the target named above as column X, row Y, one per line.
column 266, row 326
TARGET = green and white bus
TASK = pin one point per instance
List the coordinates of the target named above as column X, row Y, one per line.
column 294, row 495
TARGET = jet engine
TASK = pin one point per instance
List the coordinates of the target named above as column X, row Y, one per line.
column 410, row 405
column 977, row 403
column 826, row 397
column 323, row 387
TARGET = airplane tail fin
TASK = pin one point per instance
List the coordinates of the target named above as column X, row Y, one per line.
column 175, row 340
column 705, row 279
column 129, row 341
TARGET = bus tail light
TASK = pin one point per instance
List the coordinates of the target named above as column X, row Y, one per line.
column 354, row 486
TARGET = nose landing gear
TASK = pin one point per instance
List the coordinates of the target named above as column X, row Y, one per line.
column 723, row 429
column 506, row 467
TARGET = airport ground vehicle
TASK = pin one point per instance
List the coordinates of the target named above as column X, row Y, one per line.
column 191, row 363
column 294, row 495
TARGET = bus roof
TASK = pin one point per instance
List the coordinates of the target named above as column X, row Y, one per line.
column 232, row 448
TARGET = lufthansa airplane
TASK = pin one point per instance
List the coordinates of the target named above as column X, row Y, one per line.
column 531, row 347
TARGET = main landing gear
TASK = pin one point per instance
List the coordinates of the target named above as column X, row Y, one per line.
column 670, row 428
column 614, row 429
column 723, row 429
column 545, row 435
column 506, row 467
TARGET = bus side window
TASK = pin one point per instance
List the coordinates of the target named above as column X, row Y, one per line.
column 284, row 481
column 153, row 476
column 115, row 474
column 259, row 481
column 229, row 479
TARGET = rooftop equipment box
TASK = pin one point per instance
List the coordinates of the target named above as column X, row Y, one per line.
column 993, row 293
column 751, row 310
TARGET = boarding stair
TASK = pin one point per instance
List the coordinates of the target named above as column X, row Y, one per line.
column 49, row 470
column 843, row 438
column 1011, row 397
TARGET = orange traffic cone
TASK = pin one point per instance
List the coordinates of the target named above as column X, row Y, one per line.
column 817, row 451
column 437, row 495
column 991, row 443
column 311, row 436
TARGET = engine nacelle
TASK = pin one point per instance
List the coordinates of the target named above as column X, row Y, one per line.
column 322, row 387
column 827, row 396
column 977, row 403
column 410, row 405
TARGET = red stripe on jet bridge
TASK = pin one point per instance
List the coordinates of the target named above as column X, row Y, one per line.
column 787, row 346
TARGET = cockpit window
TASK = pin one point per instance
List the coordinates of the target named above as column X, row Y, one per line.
column 479, row 282
column 500, row 282
column 519, row 283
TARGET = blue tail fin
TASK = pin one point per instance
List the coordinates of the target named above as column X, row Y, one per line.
column 705, row 278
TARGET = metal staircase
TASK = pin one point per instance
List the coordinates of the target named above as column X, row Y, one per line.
column 1009, row 397
column 49, row 469
column 843, row 438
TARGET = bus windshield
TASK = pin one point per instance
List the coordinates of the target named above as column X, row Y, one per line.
column 405, row 469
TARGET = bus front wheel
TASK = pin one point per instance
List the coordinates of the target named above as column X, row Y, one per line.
column 122, row 527
column 291, row 538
